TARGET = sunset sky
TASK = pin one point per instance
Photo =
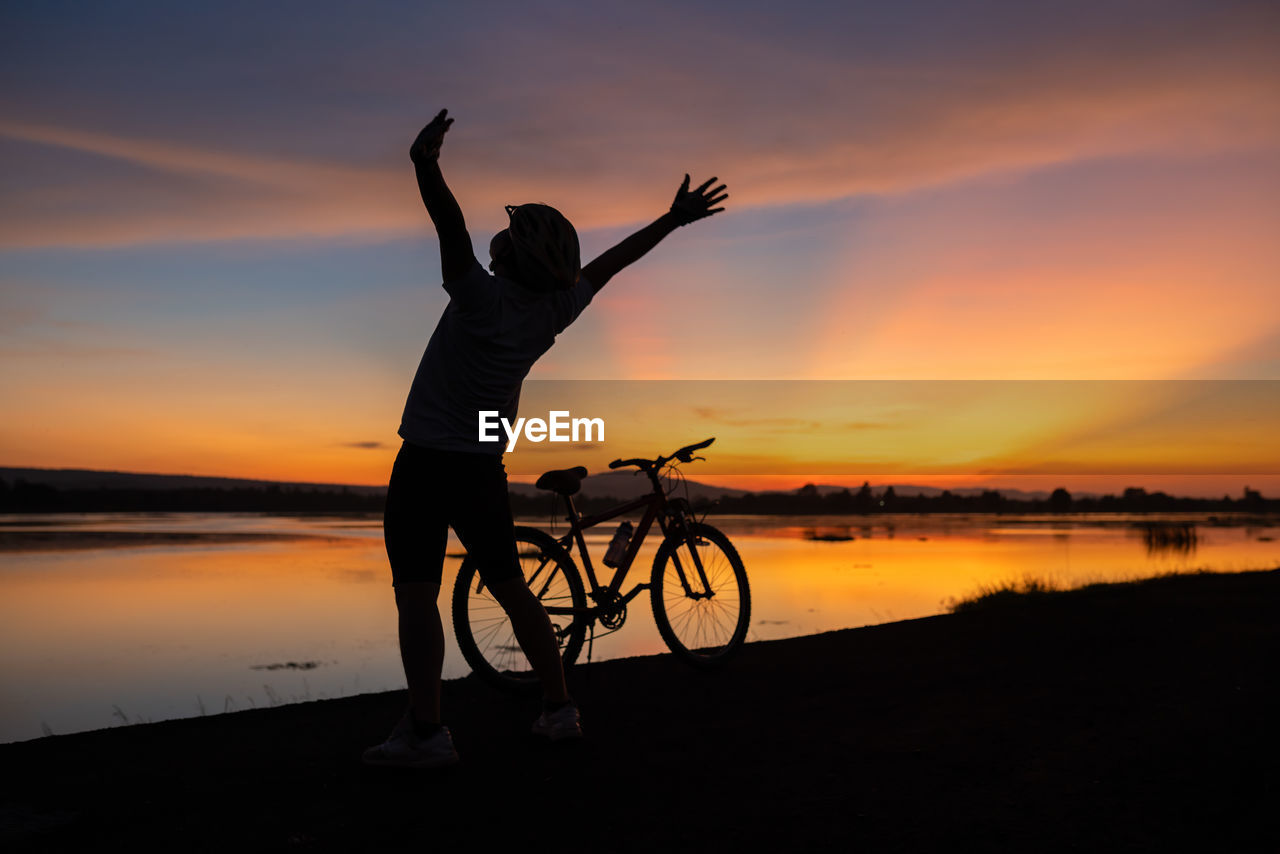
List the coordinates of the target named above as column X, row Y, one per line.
column 213, row 259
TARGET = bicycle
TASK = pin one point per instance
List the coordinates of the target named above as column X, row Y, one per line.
column 698, row 586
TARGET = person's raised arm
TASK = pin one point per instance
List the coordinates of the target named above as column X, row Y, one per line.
column 689, row 206
column 456, row 255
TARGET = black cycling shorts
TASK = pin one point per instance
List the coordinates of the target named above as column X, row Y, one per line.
column 431, row 491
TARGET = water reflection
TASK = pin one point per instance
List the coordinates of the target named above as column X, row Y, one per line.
column 1171, row 537
column 837, row 534
column 198, row 625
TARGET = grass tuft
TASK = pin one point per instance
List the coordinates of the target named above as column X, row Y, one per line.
column 1032, row 590
column 1004, row 593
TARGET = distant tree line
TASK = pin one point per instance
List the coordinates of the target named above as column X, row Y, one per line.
column 809, row 500
column 24, row 497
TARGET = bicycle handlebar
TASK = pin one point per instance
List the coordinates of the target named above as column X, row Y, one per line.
column 617, row 464
column 684, row 455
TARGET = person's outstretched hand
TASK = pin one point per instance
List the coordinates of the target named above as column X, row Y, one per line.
column 427, row 146
column 691, row 205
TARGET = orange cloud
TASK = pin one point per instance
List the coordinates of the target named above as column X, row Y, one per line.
column 843, row 130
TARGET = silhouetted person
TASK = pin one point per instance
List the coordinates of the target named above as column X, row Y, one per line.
column 492, row 331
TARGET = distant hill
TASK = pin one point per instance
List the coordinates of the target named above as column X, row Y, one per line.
column 625, row 485
column 617, row 484
column 622, row 485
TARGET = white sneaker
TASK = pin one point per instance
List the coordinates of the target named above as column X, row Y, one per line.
column 404, row 749
column 564, row 722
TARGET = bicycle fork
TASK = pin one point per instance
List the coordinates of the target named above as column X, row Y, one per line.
column 706, row 592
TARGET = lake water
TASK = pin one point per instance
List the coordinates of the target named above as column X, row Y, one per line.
column 108, row 619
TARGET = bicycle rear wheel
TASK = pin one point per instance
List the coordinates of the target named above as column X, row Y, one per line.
column 703, row 624
column 484, row 632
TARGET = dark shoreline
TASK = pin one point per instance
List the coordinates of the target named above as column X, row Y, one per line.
column 53, row 534
column 1137, row 717
column 61, row 539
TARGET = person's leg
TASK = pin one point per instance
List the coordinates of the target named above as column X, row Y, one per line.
column 481, row 516
column 415, row 528
column 533, row 631
column 418, row 740
column 421, row 648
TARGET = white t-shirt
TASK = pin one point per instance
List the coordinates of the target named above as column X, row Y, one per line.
column 489, row 336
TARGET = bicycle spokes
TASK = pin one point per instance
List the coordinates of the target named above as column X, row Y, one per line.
column 702, row 596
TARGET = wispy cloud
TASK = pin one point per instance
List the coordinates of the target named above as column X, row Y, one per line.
column 63, row 350
column 183, row 159
column 780, row 123
column 772, row 424
column 209, row 195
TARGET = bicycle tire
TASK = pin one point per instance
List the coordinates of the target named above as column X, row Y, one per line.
column 702, row 632
column 484, row 632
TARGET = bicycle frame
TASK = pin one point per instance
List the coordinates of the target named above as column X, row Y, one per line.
column 656, row 508
column 697, row 583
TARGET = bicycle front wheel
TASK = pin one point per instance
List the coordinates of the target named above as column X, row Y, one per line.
column 701, row 601
column 485, row 636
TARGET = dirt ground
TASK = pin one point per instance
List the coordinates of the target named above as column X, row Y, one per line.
column 1128, row 718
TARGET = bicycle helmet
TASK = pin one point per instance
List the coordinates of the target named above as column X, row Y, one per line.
column 544, row 246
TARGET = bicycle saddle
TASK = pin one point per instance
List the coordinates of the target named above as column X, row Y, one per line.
column 562, row 481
